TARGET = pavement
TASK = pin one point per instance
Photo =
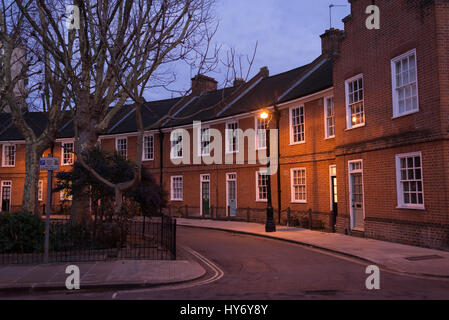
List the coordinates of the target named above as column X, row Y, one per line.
column 392, row 256
column 98, row 275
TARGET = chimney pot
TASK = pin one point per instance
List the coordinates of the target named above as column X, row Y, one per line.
column 202, row 83
column 238, row 82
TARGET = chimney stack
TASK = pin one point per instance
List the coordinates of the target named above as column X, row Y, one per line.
column 330, row 41
column 238, row 82
column 202, row 83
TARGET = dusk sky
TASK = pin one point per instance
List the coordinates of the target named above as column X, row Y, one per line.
column 288, row 34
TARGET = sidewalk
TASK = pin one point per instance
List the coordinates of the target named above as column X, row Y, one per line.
column 392, row 256
column 98, row 275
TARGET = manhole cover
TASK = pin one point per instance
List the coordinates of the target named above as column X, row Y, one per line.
column 421, row 258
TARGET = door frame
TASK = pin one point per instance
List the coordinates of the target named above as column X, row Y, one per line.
column 227, row 191
column 10, row 193
column 350, row 172
column 202, row 176
column 330, row 184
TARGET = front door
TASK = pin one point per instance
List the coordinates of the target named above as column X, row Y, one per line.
column 334, row 202
column 205, row 195
column 6, row 196
column 357, row 206
column 232, row 194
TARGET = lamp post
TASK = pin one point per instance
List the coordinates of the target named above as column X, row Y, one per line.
column 270, row 226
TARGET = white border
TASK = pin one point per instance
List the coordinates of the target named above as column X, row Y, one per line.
column 292, row 189
column 396, row 113
column 350, row 192
column 399, row 193
column 349, row 125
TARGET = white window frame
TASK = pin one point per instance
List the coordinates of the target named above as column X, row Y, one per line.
column 234, row 134
column 40, row 190
column 349, row 125
column 175, row 144
column 172, row 198
column 396, row 113
column 6, row 183
column 116, row 145
column 258, row 199
column 292, row 135
column 326, row 116
column 292, row 186
column 144, row 154
column 351, row 171
column 72, row 155
column 400, row 192
column 200, row 141
column 4, row 165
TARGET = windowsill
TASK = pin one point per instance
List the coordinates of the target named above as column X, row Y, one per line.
column 356, row 127
column 297, row 143
column 404, row 114
column 5, row 166
column 147, row 160
column 262, row 201
column 329, row 138
column 177, row 200
column 411, row 208
column 231, row 152
column 298, row 202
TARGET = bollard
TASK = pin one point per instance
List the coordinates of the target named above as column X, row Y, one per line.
column 288, row 216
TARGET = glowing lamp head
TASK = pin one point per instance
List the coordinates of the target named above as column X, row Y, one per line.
column 264, row 115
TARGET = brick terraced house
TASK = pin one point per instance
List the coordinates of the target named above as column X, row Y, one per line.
column 363, row 131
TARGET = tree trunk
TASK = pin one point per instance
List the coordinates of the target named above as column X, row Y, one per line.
column 87, row 138
column 30, row 201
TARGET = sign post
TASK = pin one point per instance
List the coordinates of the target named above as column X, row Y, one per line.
column 48, row 164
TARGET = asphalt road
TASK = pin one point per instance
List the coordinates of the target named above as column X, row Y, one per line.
column 257, row 268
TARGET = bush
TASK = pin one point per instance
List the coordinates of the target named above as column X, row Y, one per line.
column 21, row 232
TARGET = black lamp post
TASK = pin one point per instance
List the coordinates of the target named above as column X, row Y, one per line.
column 270, row 226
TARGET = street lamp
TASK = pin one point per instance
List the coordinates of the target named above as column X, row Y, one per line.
column 270, row 225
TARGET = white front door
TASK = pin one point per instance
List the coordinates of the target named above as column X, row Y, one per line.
column 231, row 194
column 357, row 205
column 205, row 195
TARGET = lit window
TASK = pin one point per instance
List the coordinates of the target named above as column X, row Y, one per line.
column 65, row 195
column 405, row 88
column 355, row 102
column 232, row 137
column 261, row 186
column 177, row 188
column 298, row 185
column 297, row 133
column 410, row 180
column 261, row 134
column 122, row 147
column 40, row 191
column 9, row 155
column 329, row 117
column 176, row 144
column 148, row 147
column 67, row 153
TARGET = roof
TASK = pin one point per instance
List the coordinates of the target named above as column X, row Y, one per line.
column 261, row 91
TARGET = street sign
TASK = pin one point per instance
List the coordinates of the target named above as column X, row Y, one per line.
column 49, row 164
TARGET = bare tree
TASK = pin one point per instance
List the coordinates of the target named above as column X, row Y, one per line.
column 29, row 77
column 118, row 50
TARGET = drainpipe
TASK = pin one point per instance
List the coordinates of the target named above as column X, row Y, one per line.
column 161, row 163
column 277, row 116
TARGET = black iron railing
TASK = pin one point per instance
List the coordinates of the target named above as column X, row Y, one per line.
column 139, row 239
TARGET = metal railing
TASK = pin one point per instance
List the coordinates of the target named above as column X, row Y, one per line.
column 143, row 239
